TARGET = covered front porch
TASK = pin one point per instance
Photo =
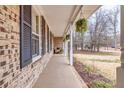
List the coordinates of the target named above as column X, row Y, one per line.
column 27, row 45
column 59, row 74
column 70, row 28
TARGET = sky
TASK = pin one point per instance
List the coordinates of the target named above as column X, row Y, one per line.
column 109, row 7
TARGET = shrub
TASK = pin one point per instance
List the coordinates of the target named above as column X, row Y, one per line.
column 90, row 69
column 101, row 84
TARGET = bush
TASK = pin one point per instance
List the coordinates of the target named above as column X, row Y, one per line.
column 101, row 84
column 90, row 69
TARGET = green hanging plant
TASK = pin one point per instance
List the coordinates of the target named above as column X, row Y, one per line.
column 67, row 37
column 81, row 25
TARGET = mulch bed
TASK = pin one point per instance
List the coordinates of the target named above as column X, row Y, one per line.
column 89, row 77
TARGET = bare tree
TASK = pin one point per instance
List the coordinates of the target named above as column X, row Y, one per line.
column 100, row 21
column 82, row 40
column 102, row 25
column 78, row 40
column 91, row 30
column 113, row 18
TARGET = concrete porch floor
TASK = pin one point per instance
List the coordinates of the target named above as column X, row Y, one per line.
column 58, row 74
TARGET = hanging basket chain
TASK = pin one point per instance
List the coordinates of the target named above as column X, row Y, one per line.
column 81, row 14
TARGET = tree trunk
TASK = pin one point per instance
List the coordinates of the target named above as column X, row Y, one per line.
column 98, row 48
column 76, row 47
column 81, row 46
column 82, row 37
column 115, row 41
column 94, row 46
column 98, row 44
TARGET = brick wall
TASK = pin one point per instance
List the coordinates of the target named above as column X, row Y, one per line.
column 58, row 42
column 10, row 73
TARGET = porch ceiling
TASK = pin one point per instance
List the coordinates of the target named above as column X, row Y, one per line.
column 88, row 10
column 58, row 16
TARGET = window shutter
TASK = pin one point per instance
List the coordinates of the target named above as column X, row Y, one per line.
column 47, row 39
column 25, row 35
column 50, row 41
column 43, row 37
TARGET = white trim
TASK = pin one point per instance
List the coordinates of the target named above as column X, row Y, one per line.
column 34, row 59
column 66, row 48
column 71, row 45
column 36, row 10
column 35, row 33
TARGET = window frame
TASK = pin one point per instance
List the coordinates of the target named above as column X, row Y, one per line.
column 34, row 10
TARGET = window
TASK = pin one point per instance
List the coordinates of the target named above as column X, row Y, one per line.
column 25, row 35
column 35, row 45
column 37, row 24
column 35, row 34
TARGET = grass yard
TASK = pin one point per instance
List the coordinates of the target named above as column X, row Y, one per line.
column 105, row 62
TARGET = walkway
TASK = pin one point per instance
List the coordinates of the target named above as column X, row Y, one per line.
column 58, row 74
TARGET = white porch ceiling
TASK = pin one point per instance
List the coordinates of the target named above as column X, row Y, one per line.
column 88, row 10
column 58, row 16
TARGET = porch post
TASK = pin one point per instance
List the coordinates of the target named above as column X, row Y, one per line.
column 65, row 49
column 120, row 70
column 71, row 45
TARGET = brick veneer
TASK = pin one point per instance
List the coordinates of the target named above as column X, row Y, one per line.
column 10, row 73
column 58, row 42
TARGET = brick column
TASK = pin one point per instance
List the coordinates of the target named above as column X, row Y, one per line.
column 120, row 70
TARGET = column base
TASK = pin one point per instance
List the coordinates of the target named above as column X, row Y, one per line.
column 120, row 77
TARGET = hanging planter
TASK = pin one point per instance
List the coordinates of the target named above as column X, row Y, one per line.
column 67, row 37
column 81, row 25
